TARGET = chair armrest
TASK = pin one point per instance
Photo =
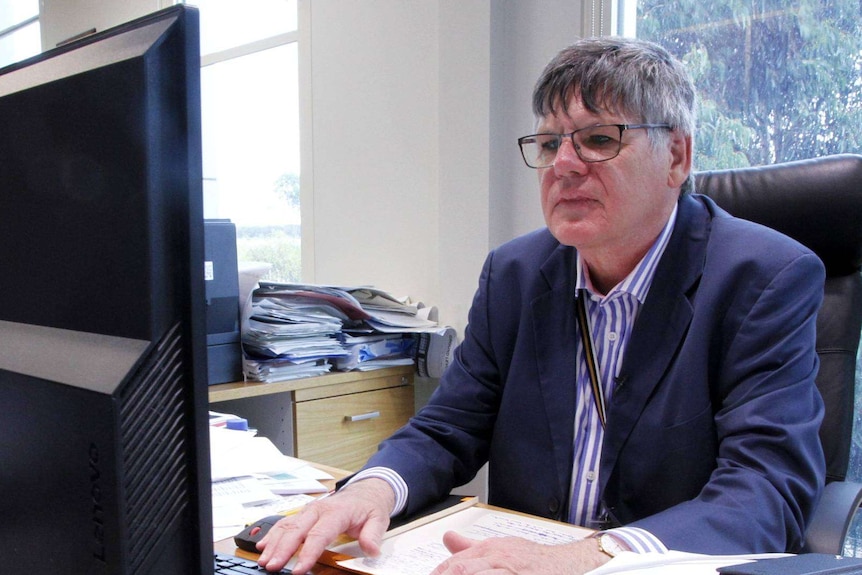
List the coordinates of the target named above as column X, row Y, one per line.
column 832, row 518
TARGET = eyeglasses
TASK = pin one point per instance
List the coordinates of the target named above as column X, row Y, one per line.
column 592, row 144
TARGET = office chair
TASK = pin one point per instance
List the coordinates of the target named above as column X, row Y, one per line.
column 818, row 202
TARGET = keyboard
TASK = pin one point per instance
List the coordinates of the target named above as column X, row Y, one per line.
column 230, row 565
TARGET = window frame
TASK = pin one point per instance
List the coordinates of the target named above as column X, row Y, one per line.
column 9, row 33
column 302, row 38
column 16, row 27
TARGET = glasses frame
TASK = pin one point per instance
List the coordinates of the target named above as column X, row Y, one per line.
column 571, row 136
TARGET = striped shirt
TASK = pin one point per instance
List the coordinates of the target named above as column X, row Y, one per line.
column 611, row 319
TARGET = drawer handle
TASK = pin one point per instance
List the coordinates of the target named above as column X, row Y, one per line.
column 362, row 416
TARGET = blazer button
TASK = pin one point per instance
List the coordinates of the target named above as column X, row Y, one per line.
column 554, row 505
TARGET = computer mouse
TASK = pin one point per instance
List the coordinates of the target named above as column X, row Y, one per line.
column 247, row 538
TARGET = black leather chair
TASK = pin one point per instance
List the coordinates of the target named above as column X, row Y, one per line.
column 819, row 203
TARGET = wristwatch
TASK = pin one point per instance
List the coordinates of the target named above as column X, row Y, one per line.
column 609, row 545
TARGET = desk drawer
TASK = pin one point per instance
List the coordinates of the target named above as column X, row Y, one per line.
column 343, row 431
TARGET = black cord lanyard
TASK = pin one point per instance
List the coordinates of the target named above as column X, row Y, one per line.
column 587, row 342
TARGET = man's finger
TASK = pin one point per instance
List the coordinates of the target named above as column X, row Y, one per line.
column 456, row 542
column 371, row 536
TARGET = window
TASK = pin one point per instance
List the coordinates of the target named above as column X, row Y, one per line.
column 778, row 81
column 250, row 107
column 19, row 30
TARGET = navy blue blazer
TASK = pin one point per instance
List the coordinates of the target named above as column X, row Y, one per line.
column 712, row 432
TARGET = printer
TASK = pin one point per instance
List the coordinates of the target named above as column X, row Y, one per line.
column 224, row 351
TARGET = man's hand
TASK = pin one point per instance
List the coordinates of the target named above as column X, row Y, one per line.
column 361, row 510
column 518, row 556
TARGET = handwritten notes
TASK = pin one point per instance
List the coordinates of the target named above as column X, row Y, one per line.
column 420, row 550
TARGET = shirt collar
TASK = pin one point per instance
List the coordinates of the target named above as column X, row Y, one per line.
column 639, row 280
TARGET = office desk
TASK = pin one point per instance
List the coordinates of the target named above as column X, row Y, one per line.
column 457, row 504
column 337, row 419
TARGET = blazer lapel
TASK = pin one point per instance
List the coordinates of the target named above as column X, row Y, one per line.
column 660, row 328
column 554, row 326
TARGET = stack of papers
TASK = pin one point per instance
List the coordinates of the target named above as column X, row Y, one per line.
column 251, row 479
column 301, row 330
column 366, row 352
column 386, row 314
column 292, row 332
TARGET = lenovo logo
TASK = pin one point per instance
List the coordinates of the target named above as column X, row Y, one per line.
column 98, row 510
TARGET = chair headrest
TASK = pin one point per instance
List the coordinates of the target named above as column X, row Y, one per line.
column 817, row 202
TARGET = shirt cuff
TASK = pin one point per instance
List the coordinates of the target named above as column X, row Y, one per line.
column 395, row 481
column 638, row 540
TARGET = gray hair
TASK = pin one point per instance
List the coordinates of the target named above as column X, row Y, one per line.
column 637, row 79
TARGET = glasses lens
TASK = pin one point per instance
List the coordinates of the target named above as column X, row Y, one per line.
column 593, row 144
column 540, row 150
column 598, row 143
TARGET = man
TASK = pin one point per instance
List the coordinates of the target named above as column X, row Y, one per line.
column 644, row 366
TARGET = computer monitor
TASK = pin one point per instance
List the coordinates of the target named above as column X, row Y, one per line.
column 104, row 453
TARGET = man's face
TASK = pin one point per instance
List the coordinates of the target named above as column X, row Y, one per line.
column 619, row 204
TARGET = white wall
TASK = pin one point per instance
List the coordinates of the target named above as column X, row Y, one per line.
column 375, row 130
column 401, row 147
column 525, row 36
column 64, row 19
column 416, row 110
